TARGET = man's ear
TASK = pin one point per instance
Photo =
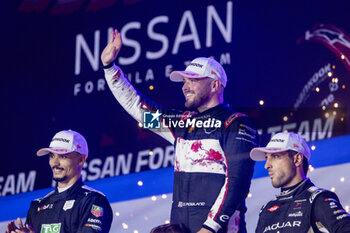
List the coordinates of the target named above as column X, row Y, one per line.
column 82, row 160
column 298, row 159
column 216, row 84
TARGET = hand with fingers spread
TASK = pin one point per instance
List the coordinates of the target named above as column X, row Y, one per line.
column 110, row 52
column 11, row 227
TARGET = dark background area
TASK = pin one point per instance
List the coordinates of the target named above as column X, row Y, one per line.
column 38, row 44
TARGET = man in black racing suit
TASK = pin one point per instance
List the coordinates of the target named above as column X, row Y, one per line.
column 72, row 206
column 301, row 206
column 212, row 165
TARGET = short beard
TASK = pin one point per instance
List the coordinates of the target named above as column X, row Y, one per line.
column 60, row 179
column 198, row 102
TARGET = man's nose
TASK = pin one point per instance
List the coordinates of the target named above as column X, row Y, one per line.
column 185, row 87
column 267, row 164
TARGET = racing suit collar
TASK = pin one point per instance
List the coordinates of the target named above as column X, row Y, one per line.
column 72, row 189
column 287, row 190
column 212, row 110
column 292, row 193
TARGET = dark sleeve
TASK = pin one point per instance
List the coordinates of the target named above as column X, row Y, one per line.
column 30, row 218
column 96, row 215
column 238, row 139
column 328, row 211
column 260, row 226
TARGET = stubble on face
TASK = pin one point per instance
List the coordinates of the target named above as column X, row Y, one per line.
column 282, row 171
column 198, row 95
column 60, row 179
column 284, row 179
column 66, row 168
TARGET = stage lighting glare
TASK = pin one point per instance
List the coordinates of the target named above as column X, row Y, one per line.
column 125, row 226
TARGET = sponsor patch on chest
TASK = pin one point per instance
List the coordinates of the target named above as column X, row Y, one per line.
column 296, row 214
column 190, row 204
column 68, row 205
column 273, row 208
column 282, row 225
column 45, row 207
column 51, row 228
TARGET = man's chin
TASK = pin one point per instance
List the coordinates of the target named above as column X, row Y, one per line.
column 275, row 184
column 190, row 105
column 59, row 179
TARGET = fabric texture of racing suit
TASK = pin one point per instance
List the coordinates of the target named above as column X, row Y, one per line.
column 212, row 167
column 306, row 208
column 77, row 209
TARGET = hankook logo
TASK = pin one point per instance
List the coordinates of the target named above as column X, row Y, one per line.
column 277, row 140
column 61, row 139
column 196, row 65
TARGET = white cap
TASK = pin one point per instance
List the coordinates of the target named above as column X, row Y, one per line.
column 282, row 142
column 64, row 142
column 201, row 67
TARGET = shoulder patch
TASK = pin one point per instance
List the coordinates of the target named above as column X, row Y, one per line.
column 97, row 211
column 315, row 191
column 233, row 117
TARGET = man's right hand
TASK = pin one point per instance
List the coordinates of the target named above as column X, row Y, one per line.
column 110, row 53
column 12, row 228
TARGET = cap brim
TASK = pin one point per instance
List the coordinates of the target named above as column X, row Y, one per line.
column 178, row 76
column 259, row 153
column 45, row 151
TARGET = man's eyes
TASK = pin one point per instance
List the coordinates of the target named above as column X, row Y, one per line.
column 192, row 80
column 275, row 156
column 59, row 156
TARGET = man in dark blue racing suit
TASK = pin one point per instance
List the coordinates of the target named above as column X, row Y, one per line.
column 213, row 169
column 301, row 207
column 72, row 206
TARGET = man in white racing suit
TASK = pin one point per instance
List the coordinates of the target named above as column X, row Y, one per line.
column 213, row 169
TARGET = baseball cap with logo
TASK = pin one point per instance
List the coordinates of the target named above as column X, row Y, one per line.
column 281, row 142
column 64, row 142
column 201, row 67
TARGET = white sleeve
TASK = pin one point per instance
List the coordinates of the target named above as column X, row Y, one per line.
column 129, row 98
